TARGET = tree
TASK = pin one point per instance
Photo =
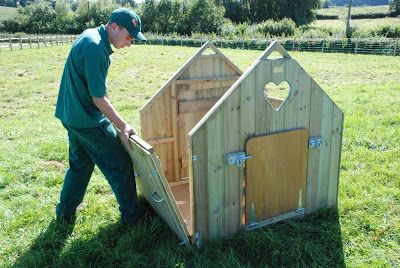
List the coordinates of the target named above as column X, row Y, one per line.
column 64, row 16
column 8, row 3
column 148, row 16
column 40, row 17
column 206, row 17
column 395, row 6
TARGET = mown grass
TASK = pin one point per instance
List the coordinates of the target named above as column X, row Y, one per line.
column 341, row 11
column 364, row 231
column 360, row 23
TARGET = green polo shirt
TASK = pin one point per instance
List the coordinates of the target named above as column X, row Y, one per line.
column 84, row 77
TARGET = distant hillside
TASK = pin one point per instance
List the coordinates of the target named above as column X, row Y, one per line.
column 7, row 12
column 359, row 2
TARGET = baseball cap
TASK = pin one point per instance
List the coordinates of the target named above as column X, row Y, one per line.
column 129, row 20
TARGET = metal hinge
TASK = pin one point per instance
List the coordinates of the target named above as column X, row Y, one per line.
column 195, row 157
column 197, row 239
column 315, row 142
column 252, row 216
column 237, row 158
column 154, row 173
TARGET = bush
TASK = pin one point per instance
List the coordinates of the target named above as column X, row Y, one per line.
column 327, row 17
column 285, row 27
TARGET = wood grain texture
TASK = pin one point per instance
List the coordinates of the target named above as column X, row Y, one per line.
column 276, row 173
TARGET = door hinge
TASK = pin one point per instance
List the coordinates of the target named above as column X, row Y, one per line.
column 195, row 157
column 237, row 158
column 315, row 142
column 154, row 173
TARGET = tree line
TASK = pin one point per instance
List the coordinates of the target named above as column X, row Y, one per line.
column 163, row 16
column 181, row 17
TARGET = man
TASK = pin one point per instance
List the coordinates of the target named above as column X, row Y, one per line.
column 85, row 111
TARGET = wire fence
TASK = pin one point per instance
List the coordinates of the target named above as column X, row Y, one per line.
column 377, row 46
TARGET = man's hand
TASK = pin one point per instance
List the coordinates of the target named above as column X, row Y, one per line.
column 108, row 110
column 125, row 134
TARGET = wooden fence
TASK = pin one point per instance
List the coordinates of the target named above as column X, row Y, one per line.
column 377, row 46
column 14, row 43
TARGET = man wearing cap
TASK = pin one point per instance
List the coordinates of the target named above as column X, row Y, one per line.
column 86, row 112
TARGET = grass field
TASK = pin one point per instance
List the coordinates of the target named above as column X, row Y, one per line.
column 364, row 231
column 360, row 23
column 341, row 11
column 7, row 12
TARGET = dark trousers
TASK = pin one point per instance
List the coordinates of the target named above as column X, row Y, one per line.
column 100, row 146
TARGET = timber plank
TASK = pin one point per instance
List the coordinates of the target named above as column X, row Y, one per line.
column 247, row 126
column 336, row 148
column 325, row 155
column 216, row 176
column 314, row 153
column 233, row 183
column 199, row 177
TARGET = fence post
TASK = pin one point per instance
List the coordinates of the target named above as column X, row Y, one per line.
column 56, row 41
column 51, row 40
column 10, row 44
column 395, row 47
column 323, row 45
column 356, row 49
column 44, row 40
column 62, row 41
column 30, row 42
column 20, row 43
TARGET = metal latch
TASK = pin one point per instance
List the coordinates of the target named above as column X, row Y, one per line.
column 237, row 158
column 315, row 142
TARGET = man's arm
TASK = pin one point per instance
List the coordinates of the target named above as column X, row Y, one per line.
column 105, row 106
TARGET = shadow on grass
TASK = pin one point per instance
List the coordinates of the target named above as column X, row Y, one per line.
column 311, row 242
column 46, row 249
column 315, row 241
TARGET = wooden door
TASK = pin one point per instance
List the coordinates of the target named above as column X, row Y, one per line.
column 276, row 177
column 154, row 186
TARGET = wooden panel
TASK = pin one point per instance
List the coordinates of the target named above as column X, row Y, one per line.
column 276, row 174
column 216, row 179
column 205, row 80
column 154, row 187
column 199, row 171
column 336, row 148
column 314, row 153
column 303, row 99
column 233, row 184
column 291, row 102
column 325, row 152
column 262, row 108
column 181, row 195
column 247, row 126
column 196, row 105
column 174, row 119
column 160, row 140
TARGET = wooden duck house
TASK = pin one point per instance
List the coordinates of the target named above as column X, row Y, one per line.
column 219, row 154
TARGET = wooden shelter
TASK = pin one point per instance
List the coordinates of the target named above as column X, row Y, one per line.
column 229, row 155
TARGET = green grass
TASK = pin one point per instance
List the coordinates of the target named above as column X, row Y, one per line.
column 364, row 231
column 342, row 11
column 7, row 12
column 360, row 23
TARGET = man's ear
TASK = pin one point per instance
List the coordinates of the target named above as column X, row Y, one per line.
column 114, row 25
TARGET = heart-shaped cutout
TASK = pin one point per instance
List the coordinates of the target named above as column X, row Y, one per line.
column 276, row 94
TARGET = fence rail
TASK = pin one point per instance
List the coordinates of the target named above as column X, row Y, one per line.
column 379, row 46
column 15, row 43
